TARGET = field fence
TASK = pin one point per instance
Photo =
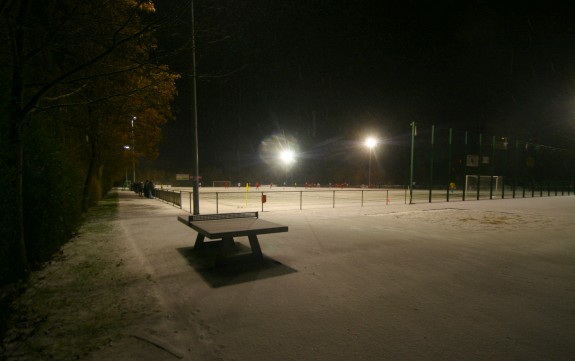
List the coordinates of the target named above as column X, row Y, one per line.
column 479, row 166
column 214, row 201
column 231, row 201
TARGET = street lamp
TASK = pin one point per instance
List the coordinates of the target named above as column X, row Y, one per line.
column 370, row 143
column 196, row 162
column 133, row 153
column 127, row 182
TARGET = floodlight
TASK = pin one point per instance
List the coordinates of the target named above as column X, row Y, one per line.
column 371, row 142
column 287, row 156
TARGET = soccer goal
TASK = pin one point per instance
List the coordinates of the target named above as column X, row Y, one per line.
column 483, row 182
column 225, row 184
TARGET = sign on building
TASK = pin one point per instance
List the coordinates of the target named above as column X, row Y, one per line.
column 473, row 160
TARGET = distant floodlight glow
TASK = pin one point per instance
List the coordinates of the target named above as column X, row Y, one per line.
column 371, row 142
column 287, row 156
column 279, row 150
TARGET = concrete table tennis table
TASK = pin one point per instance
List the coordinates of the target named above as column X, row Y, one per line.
column 225, row 226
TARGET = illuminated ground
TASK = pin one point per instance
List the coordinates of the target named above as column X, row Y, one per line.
column 480, row 280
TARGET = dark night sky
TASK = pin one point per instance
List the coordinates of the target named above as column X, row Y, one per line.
column 328, row 72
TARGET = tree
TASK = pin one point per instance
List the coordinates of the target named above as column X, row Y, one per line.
column 74, row 68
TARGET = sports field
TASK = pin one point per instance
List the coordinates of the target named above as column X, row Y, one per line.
column 266, row 198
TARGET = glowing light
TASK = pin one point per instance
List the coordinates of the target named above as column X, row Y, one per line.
column 287, row 156
column 371, row 142
column 279, row 150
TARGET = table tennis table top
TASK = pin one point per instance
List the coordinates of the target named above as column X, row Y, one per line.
column 234, row 227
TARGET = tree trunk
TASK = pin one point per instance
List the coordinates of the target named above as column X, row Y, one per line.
column 17, row 151
column 92, row 165
column 17, row 116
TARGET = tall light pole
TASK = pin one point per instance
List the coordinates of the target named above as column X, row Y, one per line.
column 133, row 153
column 413, row 134
column 370, row 143
column 196, row 194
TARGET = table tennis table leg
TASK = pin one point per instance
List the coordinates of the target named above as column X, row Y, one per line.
column 199, row 241
column 256, row 250
column 226, row 247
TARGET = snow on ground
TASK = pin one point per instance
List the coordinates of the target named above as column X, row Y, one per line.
column 475, row 280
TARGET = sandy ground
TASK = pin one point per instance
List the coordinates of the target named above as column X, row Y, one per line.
column 476, row 280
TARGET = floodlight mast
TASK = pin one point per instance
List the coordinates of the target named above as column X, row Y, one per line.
column 370, row 143
column 287, row 157
column 133, row 153
column 413, row 134
column 196, row 195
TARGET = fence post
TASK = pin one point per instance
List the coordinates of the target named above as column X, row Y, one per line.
column 300, row 199
column 217, row 202
column 431, row 162
column 449, row 161
column 413, row 130
column 362, row 197
column 333, row 199
column 524, row 187
column 479, row 165
column 492, row 167
column 515, row 166
column 465, row 169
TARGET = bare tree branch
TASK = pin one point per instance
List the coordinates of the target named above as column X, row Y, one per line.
column 100, row 99
column 31, row 104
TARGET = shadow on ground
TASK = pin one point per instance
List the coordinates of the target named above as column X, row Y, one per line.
column 237, row 269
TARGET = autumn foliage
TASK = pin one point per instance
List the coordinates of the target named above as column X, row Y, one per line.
column 74, row 73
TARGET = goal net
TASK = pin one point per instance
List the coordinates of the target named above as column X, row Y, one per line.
column 484, row 183
column 225, row 184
